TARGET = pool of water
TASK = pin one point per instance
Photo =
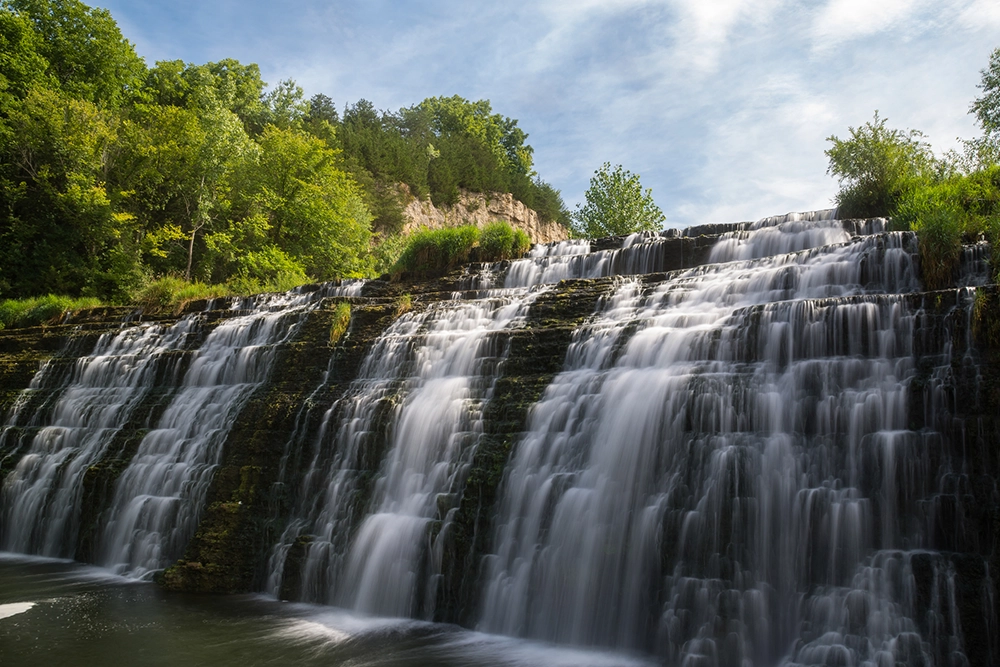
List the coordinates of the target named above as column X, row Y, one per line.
column 64, row 613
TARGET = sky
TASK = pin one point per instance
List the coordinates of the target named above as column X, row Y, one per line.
column 723, row 107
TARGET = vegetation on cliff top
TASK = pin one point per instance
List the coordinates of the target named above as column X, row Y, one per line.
column 114, row 175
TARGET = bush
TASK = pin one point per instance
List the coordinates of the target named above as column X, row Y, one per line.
column 172, row 293
column 36, row 310
column 341, row 320
column 499, row 241
column 939, row 231
column 435, row 251
column 944, row 213
column 388, row 251
column 877, row 168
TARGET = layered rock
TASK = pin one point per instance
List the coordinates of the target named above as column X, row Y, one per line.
column 479, row 209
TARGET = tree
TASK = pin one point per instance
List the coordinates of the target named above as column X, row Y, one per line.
column 877, row 167
column 616, row 204
column 987, row 107
column 984, row 151
column 86, row 52
column 293, row 212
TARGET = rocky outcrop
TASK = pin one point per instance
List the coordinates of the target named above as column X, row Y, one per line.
column 479, row 209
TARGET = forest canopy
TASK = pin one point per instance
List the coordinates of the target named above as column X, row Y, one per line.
column 115, row 174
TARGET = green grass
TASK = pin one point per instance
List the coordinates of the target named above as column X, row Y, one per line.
column 499, row 241
column 435, row 251
column 341, row 320
column 172, row 294
column 41, row 309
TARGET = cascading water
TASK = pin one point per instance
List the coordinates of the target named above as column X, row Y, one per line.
column 41, row 496
column 159, row 496
column 727, row 471
column 704, row 488
column 440, row 366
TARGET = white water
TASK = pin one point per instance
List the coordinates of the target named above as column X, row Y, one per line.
column 41, row 496
column 159, row 497
column 430, row 375
column 703, row 489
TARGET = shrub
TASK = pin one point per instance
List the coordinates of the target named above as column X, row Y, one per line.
column 435, row 251
column 388, row 251
column 877, row 167
column 341, row 320
column 499, row 240
column 173, row 293
column 939, row 230
column 36, row 310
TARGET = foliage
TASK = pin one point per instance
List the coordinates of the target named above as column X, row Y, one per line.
column 86, row 54
column 387, row 252
column 616, row 204
column 940, row 240
column 433, row 251
column 403, row 305
column 987, row 107
column 947, row 211
column 119, row 180
column 341, row 320
column 293, row 211
column 877, row 167
column 171, row 293
column 37, row 310
column 498, row 241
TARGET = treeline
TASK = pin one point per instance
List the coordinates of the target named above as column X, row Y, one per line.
column 114, row 174
column 946, row 199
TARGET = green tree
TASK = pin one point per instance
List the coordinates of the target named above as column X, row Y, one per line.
column 293, row 212
column 616, row 204
column 21, row 64
column 85, row 50
column 987, row 107
column 877, row 167
column 60, row 231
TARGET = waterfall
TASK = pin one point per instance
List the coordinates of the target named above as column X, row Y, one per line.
column 159, row 496
column 438, row 366
column 41, row 496
column 755, row 453
column 707, row 487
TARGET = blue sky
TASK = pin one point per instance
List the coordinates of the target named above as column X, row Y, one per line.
column 722, row 106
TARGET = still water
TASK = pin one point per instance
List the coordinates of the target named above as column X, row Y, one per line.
column 63, row 613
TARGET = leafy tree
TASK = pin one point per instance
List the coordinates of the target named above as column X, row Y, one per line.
column 21, row 64
column 61, row 232
column 85, row 50
column 616, row 204
column 987, row 107
column 293, row 211
column 286, row 104
column 877, row 167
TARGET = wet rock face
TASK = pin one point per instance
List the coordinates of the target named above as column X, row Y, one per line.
column 757, row 442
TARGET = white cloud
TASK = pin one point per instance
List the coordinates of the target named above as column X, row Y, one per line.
column 843, row 20
column 981, row 14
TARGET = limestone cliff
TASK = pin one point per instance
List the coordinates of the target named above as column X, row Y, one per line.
column 478, row 209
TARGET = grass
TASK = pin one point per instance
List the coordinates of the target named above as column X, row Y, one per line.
column 499, row 241
column 341, row 320
column 41, row 309
column 172, row 294
column 434, row 252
